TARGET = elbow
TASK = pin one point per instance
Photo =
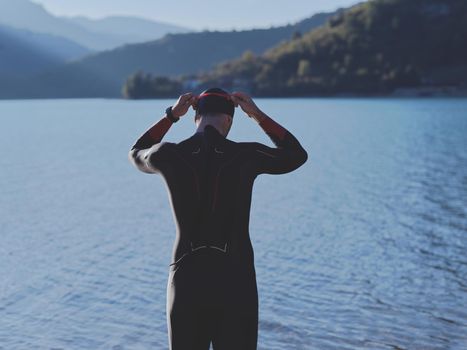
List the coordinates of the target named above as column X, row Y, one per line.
column 301, row 158
column 297, row 160
column 135, row 158
column 304, row 157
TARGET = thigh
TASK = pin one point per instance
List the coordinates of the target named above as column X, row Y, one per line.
column 189, row 323
column 189, row 329
column 237, row 329
column 237, row 324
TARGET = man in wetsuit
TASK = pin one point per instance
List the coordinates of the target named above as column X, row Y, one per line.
column 211, row 292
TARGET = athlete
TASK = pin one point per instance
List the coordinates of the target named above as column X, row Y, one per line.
column 211, row 293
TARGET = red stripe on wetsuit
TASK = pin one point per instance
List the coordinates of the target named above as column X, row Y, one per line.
column 273, row 128
column 154, row 134
column 158, row 131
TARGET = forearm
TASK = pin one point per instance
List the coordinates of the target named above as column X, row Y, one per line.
column 275, row 131
column 149, row 154
column 146, row 154
column 154, row 134
column 281, row 137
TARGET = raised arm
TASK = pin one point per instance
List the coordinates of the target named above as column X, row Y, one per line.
column 149, row 154
column 288, row 154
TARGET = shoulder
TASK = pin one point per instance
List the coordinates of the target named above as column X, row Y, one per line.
column 162, row 147
column 247, row 144
column 186, row 145
column 251, row 146
column 160, row 151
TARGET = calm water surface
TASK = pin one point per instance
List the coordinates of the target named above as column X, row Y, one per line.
column 364, row 247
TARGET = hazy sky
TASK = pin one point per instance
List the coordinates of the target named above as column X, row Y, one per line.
column 201, row 14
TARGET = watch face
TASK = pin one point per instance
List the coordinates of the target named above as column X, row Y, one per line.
column 169, row 114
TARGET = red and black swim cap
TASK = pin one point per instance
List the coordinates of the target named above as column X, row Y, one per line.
column 215, row 100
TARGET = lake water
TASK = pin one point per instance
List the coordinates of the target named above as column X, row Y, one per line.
column 364, row 247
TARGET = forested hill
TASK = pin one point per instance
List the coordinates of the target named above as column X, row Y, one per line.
column 23, row 52
column 103, row 74
column 374, row 47
column 93, row 34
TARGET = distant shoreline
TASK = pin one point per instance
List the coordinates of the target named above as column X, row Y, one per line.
column 425, row 92
column 257, row 98
column 336, row 97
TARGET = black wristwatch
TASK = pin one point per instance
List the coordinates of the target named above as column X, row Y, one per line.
column 170, row 116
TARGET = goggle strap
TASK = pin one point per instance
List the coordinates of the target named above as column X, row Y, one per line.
column 227, row 97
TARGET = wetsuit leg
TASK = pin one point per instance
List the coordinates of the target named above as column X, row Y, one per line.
column 189, row 328
column 209, row 300
column 191, row 303
column 188, row 320
column 238, row 321
column 237, row 330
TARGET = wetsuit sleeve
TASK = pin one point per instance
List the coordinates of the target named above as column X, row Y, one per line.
column 149, row 154
column 286, row 157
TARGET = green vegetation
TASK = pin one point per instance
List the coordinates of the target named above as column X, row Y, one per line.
column 372, row 48
column 141, row 85
column 103, row 74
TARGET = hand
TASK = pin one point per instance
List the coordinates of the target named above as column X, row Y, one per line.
column 248, row 106
column 184, row 102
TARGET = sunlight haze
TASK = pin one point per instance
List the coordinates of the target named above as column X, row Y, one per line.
column 208, row 14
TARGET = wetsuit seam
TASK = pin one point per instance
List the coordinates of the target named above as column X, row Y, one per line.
column 268, row 154
column 179, row 259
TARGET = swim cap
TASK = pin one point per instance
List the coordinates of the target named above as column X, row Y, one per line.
column 215, row 100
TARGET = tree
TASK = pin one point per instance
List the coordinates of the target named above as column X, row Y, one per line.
column 304, row 68
column 144, row 86
column 296, row 35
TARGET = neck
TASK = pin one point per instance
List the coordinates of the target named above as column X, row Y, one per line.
column 218, row 127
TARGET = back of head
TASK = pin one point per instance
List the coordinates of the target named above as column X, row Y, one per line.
column 215, row 101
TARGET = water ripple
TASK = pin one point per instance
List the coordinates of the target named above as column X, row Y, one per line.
column 362, row 248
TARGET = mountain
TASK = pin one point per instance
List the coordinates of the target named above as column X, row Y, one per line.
column 373, row 48
column 20, row 57
column 128, row 29
column 94, row 34
column 103, row 74
column 23, row 53
column 18, row 46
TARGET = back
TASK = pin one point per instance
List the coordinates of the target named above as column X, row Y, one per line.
column 210, row 181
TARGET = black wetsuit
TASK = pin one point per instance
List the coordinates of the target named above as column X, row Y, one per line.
column 211, row 292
